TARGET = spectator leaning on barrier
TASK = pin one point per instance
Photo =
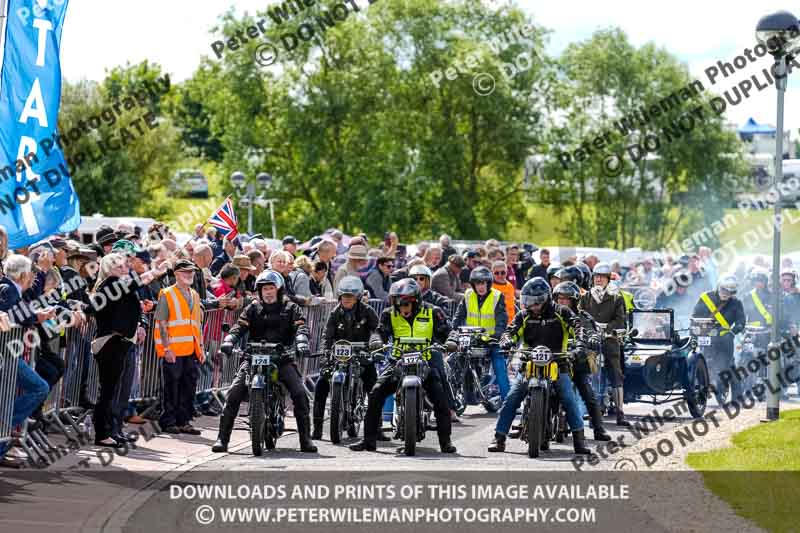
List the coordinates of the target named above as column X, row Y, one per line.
column 33, row 388
column 319, row 284
column 179, row 341
column 300, row 280
column 357, row 258
column 225, row 286
column 447, row 281
column 118, row 314
column 380, row 279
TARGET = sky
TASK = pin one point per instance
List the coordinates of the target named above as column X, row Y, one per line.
column 176, row 33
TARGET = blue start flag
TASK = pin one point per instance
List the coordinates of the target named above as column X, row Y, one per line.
column 37, row 198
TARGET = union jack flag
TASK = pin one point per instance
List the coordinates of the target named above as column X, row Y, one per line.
column 224, row 219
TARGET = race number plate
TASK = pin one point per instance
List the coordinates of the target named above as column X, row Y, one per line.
column 342, row 351
column 704, row 341
column 464, row 342
column 748, row 347
column 260, row 360
column 411, row 359
column 540, row 357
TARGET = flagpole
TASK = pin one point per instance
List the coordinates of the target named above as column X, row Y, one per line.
column 3, row 8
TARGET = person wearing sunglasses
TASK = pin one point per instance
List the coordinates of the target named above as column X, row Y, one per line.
column 379, row 280
column 422, row 275
column 501, row 283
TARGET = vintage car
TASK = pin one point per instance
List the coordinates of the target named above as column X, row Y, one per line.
column 660, row 365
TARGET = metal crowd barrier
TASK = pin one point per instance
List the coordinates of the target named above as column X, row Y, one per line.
column 8, row 382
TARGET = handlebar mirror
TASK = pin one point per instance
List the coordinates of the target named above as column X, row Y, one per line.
column 634, row 333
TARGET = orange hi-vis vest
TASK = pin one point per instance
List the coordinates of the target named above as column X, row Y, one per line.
column 184, row 327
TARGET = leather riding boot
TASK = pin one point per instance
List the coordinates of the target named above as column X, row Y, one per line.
column 498, row 444
column 597, row 424
column 618, row 398
column 446, row 445
column 317, row 434
column 363, row 445
column 579, row 443
column 304, row 432
column 224, row 436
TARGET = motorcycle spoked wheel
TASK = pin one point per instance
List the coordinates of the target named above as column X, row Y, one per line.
column 536, row 421
column 337, row 413
column 257, row 417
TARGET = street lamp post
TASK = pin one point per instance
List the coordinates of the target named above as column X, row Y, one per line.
column 778, row 32
column 249, row 198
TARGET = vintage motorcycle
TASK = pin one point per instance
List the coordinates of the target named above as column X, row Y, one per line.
column 469, row 370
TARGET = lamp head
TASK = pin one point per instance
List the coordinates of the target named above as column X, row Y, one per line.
column 264, row 180
column 238, row 179
column 779, row 32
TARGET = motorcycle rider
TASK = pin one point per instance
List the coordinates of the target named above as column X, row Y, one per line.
column 758, row 302
column 541, row 322
column 351, row 320
column 485, row 307
column 408, row 316
column 271, row 318
column 790, row 311
column 552, row 275
column 586, row 278
column 422, row 275
column 567, row 294
column 606, row 305
column 727, row 310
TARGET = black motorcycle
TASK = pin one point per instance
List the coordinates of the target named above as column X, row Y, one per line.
column 348, row 397
column 756, row 340
column 412, row 409
column 469, row 370
column 267, row 410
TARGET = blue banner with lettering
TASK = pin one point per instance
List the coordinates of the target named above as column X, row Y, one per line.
column 37, row 198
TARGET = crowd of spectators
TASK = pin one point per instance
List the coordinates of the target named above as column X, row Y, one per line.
column 55, row 283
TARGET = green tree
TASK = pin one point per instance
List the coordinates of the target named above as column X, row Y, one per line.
column 654, row 198
column 117, row 166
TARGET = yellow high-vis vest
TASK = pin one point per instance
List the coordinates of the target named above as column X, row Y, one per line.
column 483, row 317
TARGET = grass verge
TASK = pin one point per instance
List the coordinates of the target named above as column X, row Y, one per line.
column 759, row 477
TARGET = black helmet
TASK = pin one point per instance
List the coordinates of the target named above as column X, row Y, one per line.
column 569, row 289
column 571, row 273
column 535, row 291
column 480, row 274
column 350, row 285
column 552, row 270
column 405, row 290
column 587, row 275
column 269, row 277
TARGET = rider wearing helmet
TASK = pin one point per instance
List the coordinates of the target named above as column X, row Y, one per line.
column 271, row 318
column 790, row 312
column 758, row 302
column 409, row 316
column 723, row 306
column 570, row 273
column 351, row 320
column 552, row 275
column 606, row 305
column 422, row 275
column 586, row 278
column 541, row 322
column 485, row 307
column 568, row 293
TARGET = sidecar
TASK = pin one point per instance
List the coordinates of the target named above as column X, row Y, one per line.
column 660, row 365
